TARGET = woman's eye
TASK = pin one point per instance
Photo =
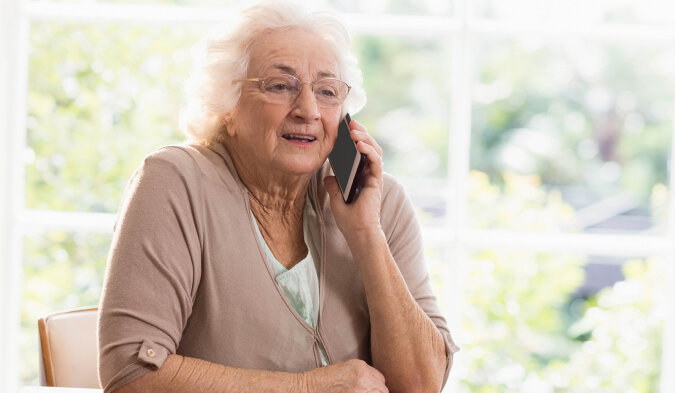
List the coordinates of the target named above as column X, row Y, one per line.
column 278, row 87
column 327, row 92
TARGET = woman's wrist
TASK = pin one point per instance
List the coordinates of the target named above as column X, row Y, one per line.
column 309, row 381
column 364, row 238
column 301, row 383
column 364, row 245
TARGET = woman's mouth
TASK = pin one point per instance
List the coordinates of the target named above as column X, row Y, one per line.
column 299, row 138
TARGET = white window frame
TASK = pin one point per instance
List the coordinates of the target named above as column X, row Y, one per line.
column 458, row 31
column 13, row 72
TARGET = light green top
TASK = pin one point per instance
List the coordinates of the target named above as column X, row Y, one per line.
column 300, row 284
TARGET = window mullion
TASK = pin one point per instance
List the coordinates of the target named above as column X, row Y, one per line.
column 627, row 246
column 667, row 382
column 458, row 158
column 459, row 137
column 47, row 220
column 13, row 78
column 610, row 31
column 85, row 12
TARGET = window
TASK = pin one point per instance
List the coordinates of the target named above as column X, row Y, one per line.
column 534, row 138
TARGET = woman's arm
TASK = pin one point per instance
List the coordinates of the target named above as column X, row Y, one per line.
column 406, row 346
column 181, row 374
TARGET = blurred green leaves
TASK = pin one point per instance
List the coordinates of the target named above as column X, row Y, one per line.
column 100, row 98
column 406, row 81
column 523, row 328
column 591, row 119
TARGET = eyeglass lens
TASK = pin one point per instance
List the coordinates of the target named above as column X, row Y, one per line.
column 284, row 88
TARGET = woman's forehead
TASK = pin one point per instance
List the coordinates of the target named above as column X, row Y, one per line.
column 295, row 52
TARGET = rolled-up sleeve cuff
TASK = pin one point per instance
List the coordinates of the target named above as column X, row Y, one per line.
column 450, row 349
column 152, row 354
column 151, row 357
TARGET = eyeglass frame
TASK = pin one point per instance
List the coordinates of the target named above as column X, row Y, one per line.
column 261, row 84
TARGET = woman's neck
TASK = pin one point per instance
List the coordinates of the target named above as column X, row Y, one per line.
column 272, row 193
column 277, row 201
column 271, row 202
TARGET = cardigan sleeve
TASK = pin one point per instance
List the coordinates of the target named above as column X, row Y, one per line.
column 405, row 243
column 153, row 269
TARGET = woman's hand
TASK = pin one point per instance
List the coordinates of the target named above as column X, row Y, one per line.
column 352, row 376
column 361, row 217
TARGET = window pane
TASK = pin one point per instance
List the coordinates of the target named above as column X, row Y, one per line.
column 100, row 98
column 406, row 82
column 584, row 127
column 661, row 12
column 61, row 270
column 538, row 322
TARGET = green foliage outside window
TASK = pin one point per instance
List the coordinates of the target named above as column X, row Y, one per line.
column 525, row 329
column 592, row 119
column 100, row 98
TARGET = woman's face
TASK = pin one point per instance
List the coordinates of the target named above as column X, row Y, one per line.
column 261, row 130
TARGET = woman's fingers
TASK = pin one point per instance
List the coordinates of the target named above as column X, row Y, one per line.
column 381, row 388
column 360, row 133
column 359, row 136
column 352, row 376
column 374, row 380
column 379, row 385
column 367, row 145
column 374, row 157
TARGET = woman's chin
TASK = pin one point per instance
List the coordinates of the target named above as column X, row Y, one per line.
column 301, row 167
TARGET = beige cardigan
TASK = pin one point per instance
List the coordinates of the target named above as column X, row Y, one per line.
column 186, row 275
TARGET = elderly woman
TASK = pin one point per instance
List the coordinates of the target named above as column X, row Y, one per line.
column 237, row 266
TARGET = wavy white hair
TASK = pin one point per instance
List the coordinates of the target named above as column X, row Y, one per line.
column 222, row 57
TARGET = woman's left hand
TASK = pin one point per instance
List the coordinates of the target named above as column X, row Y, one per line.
column 362, row 216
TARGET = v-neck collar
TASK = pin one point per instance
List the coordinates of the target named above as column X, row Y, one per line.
column 279, row 267
column 319, row 201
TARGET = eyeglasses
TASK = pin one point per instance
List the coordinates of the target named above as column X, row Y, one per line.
column 283, row 89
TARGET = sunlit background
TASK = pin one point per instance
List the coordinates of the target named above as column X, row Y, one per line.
column 534, row 137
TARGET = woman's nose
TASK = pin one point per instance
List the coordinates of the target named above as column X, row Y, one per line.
column 305, row 105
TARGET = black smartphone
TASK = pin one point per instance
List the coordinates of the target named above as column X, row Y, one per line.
column 348, row 163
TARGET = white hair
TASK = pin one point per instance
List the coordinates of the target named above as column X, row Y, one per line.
column 222, row 58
